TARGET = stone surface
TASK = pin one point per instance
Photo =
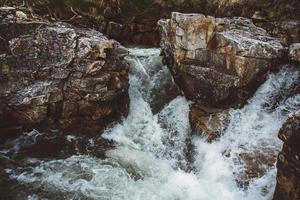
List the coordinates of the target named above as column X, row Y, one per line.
column 59, row 76
column 256, row 164
column 288, row 162
column 294, row 52
column 218, row 63
column 114, row 30
column 217, row 60
column 208, row 121
column 140, row 32
column 139, row 17
column 288, row 30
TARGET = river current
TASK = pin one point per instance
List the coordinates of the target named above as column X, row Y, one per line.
column 150, row 156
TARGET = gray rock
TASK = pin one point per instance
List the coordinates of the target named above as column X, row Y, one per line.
column 56, row 75
column 294, row 52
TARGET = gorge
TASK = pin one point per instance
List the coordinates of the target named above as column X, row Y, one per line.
column 213, row 113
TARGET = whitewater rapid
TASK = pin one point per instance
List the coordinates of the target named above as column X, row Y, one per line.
column 149, row 160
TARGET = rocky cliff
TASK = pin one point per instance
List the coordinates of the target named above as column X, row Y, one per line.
column 63, row 77
column 288, row 162
column 134, row 21
column 217, row 62
column 59, row 76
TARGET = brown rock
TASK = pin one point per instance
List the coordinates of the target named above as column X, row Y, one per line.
column 62, row 76
column 114, row 30
column 288, row 164
column 218, row 63
column 217, row 60
column 288, row 31
column 256, row 163
column 207, row 121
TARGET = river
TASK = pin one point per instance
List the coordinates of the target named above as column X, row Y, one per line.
column 149, row 158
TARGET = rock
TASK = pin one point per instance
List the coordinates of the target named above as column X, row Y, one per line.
column 56, row 75
column 288, row 31
column 217, row 60
column 288, row 163
column 139, row 19
column 4, row 180
column 207, row 121
column 44, row 145
column 294, row 52
column 256, row 164
column 114, row 30
column 140, row 32
column 21, row 15
column 258, row 16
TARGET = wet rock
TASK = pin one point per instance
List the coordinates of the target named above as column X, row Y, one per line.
column 288, row 163
column 57, row 75
column 217, row 60
column 256, row 164
column 42, row 145
column 207, row 121
column 294, row 52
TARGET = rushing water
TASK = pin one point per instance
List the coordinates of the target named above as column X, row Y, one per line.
column 149, row 160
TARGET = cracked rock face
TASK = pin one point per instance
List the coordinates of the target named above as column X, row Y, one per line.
column 217, row 60
column 59, row 76
column 218, row 63
column 288, row 162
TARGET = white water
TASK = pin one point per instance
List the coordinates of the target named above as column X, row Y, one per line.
column 149, row 161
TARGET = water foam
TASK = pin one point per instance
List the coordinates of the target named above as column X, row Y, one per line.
column 149, row 159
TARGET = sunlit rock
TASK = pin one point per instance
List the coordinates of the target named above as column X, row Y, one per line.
column 218, row 62
column 217, row 59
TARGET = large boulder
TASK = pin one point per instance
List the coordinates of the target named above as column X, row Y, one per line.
column 57, row 76
column 217, row 59
column 217, row 62
column 288, row 164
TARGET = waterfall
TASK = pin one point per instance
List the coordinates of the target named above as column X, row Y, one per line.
column 149, row 159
